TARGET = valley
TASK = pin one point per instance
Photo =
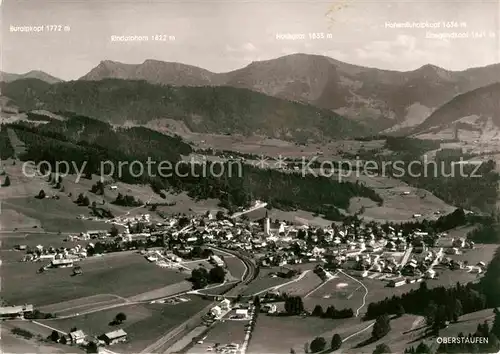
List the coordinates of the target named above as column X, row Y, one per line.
column 240, row 188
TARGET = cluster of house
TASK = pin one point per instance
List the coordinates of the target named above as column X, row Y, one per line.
column 369, row 246
column 79, row 337
column 360, row 247
column 220, row 310
column 163, row 258
column 126, row 220
column 57, row 257
column 12, row 312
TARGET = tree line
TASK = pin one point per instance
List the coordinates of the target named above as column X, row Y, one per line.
column 442, row 301
column 88, row 142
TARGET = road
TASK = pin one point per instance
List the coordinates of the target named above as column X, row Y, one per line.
column 276, row 287
column 329, row 277
column 363, row 285
column 439, row 257
column 257, row 207
column 406, row 256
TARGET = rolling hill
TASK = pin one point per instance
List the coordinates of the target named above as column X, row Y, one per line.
column 223, row 110
column 87, row 143
column 477, row 111
column 34, row 74
column 391, row 99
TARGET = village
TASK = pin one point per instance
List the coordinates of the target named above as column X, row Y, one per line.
column 321, row 264
column 365, row 250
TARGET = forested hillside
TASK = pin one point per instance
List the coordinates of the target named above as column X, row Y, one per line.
column 81, row 139
column 203, row 109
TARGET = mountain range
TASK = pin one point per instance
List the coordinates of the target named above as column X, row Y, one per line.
column 33, row 74
column 475, row 114
column 391, row 99
column 384, row 100
column 204, row 109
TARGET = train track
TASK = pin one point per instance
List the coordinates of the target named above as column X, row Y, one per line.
column 177, row 334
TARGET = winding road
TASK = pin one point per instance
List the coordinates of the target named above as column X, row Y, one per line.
column 364, row 287
column 256, row 207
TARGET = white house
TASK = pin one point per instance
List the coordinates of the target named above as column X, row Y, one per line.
column 269, row 308
column 430, row 274
column 216, row 311
column 242, row 313
column 62, row 263
column 77, row 337
column 225, row 304
column 47, row 256
column 216, row 260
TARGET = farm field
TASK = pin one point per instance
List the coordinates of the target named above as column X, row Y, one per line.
column 16, row 344
column 409, row 330
column 53, row 215
column 124, row 274
column 235, row 266
column 145, row 323
column 303, row 286
column 294, row 332
column 262, row 283
column 224, row 333
column 341, row 292
column 71, row 307
column 480, row 253
column 11, row 219
column 397, row 339
column 165, row 291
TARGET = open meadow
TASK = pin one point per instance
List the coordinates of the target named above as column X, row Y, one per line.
column 222, row 332
column 12, row 343
column 278, row 334
column 398, row 339
column 124, row 274
column 480, row 253
column 145, row 323
column 340, row 291
column 50, row 214
column 409, row 330
column 264, row 283
column 235, row 266
column 302, row 287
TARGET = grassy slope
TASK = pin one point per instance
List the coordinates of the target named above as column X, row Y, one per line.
column 124, row 275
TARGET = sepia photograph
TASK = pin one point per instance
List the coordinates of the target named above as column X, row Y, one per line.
column 249, row 176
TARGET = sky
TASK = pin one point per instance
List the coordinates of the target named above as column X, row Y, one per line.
column 222, row 35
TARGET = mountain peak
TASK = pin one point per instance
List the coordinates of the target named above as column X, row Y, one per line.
column 33, row 74
column 110, row 63
column 430, row 70
column 430, row 67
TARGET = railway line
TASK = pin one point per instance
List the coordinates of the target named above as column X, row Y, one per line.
column 163, row 344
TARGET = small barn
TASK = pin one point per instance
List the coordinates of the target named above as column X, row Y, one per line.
column 114, row 337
